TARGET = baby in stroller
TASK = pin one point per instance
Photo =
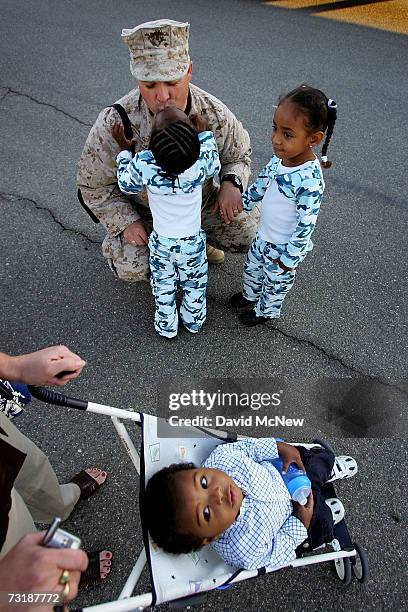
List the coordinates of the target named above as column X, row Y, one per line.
column 238, row 502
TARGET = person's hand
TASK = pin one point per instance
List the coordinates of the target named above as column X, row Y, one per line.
column 289, row 454
column 199, row 122
column 135, row 234
column 281, row 265
column 118, row 133
column 229, row 202
column 304, row 513
column 55, row 365
column 32, row 568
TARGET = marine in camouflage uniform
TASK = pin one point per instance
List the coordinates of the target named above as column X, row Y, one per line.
column 159, row 53
column 264, row 282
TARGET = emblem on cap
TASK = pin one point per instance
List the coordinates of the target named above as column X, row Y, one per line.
column 158, row 50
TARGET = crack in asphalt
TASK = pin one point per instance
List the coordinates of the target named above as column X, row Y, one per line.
column 8, row 196
column 6, row 93
column 381, row 380
column 330, row 357
column 58, row 110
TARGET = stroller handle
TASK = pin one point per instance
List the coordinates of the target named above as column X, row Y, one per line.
column 59, row 399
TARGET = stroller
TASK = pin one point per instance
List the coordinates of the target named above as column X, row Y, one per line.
column 186, row 579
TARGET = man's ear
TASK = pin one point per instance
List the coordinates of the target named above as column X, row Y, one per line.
column 190, row 70
column 316, row 138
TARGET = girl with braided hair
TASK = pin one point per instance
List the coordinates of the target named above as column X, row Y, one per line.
column 181, row 156
column 290, row 188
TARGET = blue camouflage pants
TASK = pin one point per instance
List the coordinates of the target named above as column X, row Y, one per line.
column 264, row 282
column 180, row 261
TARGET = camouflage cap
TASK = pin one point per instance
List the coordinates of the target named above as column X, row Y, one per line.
column 158, row 50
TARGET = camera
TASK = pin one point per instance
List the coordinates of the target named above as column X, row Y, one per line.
column 59, row 538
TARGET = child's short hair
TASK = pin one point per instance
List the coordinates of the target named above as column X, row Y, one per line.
column 320, row 112
column 175, row 147
column 160, row 511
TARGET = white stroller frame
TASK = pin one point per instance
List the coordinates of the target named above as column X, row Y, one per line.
column 347, row 556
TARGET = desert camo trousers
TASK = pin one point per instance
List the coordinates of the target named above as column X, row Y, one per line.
column 131, row 263
column 264, row 282
column 180, row 261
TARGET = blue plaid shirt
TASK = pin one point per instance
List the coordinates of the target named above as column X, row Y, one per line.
column 265, row 532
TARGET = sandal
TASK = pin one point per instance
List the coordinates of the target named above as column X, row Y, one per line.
column 337, row 509
column 344, row 467
column 92, row 574
column 86, row 483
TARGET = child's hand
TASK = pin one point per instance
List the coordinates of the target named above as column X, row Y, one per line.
column 281, row 265
column 199, row 122
column 304, row 513
column 118, row 133
column 289, row 454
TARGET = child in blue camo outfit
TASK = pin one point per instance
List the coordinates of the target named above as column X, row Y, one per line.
column 290, row 187
column 181, row 157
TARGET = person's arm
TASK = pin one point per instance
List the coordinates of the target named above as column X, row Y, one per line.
column 256, row 191
column 30, row 567
column 97, row 180
column 254, row 549
column 43, row 367
column 209, row 154
column 234, row 147
column 258, row 449
column 255, row 545
column 308, row 200
column 130, row 170
column 235, row 156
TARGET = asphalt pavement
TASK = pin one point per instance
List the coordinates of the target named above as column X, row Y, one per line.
column 338, row 356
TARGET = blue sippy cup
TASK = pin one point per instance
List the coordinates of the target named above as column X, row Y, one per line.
column 296, row 481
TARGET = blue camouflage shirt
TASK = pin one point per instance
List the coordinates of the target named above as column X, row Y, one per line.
column 143, row 171
column 304, row 187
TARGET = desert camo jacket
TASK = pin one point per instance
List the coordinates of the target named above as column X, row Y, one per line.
column 97, row 167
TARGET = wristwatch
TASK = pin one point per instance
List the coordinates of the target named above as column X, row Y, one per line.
column 234, row 179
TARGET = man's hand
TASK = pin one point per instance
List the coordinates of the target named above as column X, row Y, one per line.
column 135, row 234
column 229, row 202
column 304, row 513
column 32, row 568
column 118, row 132
column 45, row 367
column 199, row 122
column 289, row 454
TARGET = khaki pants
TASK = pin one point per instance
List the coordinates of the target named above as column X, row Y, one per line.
column 37, row 494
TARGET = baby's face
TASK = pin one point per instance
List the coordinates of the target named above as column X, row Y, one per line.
column 209, row 502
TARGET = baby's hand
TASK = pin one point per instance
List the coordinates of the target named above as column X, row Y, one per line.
column 118, row 133
column 289, row 454
column 199, row 122
column 304, row 513
column 281, row 265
